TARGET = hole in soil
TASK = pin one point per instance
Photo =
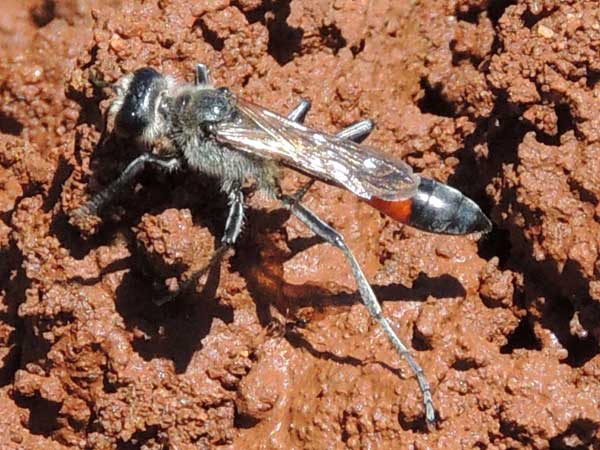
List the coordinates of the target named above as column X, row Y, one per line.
column 434, row 102
column 592, row 78
column 210, row 36
column 564, row 124
column 284, row 40
column 584, row 194
column 580, row 350
column 345, row 436
column 530, row 19
column 565, row 119
column 42, row 414
column 497, row 8
column 244, row 420
column 495, row 11
column 496, row 243
column 515, row 431
column 522, row 337
column 420, row 342
column 443, row 286
column 578, row 436
column 356, row 49
column 15, row 287
column 63, row 172
column 471, row 15
column 90, row 110
column 416, row 425
column 8, row 125
column 332, row 37
column 464, row 364
column 140, row 438
column 44, row 13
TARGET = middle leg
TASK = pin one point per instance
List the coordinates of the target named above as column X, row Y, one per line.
column 233, row 228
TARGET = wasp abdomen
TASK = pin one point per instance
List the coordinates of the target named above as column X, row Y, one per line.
column 438, row 208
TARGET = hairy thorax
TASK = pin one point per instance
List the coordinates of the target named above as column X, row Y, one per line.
column 193, row 140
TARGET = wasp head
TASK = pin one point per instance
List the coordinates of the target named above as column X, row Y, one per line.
column 139, row 103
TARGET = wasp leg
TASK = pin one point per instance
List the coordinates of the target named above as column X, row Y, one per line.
column 358, row 131
column 233, row 225
column 202, row 74
column 233, row 228
column 134, row 168
column 299, row 112
column 235, row 215
column 327, row 233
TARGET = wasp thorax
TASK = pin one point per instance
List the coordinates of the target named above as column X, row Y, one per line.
column 213, row 105
column 138, row 114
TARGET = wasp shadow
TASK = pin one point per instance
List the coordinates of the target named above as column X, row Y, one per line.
column 286, row 298
column 584, row 432
column 174, row 330
column 15, row 285
column 294, row 336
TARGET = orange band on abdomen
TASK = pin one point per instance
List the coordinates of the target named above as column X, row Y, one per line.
column 400, row 210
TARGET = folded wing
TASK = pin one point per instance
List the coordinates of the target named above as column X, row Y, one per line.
column 358, row 168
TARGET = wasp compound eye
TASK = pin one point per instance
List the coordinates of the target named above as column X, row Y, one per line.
column 139, row 105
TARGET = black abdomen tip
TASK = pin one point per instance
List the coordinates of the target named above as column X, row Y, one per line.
column 440, row 208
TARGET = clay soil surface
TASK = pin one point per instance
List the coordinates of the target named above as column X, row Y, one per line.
column 273, row 350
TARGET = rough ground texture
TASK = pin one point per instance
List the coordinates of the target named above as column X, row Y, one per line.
column 274, row 350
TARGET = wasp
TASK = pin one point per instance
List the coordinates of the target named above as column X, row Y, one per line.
column 208, row 129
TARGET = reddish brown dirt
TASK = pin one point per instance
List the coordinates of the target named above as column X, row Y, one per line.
column 274, row 350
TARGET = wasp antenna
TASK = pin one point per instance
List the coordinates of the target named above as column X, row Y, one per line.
column 202, row 74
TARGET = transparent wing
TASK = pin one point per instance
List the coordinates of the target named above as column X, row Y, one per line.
column 358, row 168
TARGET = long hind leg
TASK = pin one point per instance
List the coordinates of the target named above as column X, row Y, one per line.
column 357, row 132
column 328, row 234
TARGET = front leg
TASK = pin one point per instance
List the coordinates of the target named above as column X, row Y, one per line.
column 233, row 228
column 132, row 171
